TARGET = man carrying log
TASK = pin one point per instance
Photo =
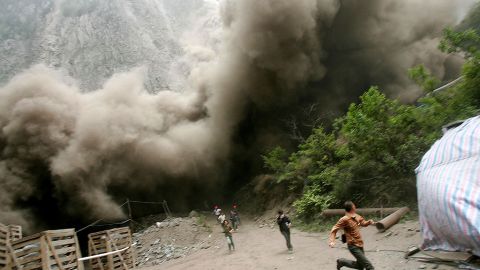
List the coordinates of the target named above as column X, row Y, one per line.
column 351, row 223
column 284, row 224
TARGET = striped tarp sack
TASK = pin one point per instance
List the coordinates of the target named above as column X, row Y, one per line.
column 448, row 185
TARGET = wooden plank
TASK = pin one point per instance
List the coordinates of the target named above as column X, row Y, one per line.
column 98, row 260
column 70, row 265
column 44, row 253
column 65, row 250
column 109, row 257
column 99, row 244
column 15, row 232
column 24, row 252
column 68, row 259
column 26, row 260
column 13, row 256
column 26, row 239
column 64, row 242
column 119, row 265
column 66, row 232
column 118, row 255
column 33, row 266
column 78, row 253
column 448, row 256
column 19, row 244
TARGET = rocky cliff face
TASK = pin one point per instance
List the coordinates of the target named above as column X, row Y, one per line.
column 92, row 39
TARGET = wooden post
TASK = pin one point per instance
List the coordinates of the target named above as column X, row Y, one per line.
column 54, row 253
column 44, row 253
column 93, row 250
column 130, row 223
column 12, row 258
column 120, row 255
column 129, row 209
column 80, row 265
column 166, row 208
column 109, row 257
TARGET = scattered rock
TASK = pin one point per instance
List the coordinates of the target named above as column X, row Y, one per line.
column 205, row 246
column 193, row 213
column 170, row 239
column 423, row 266
column 411, row 234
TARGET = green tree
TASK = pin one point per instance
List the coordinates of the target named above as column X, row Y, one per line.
column 423, row 78
column 275, row 160
column 371, row 154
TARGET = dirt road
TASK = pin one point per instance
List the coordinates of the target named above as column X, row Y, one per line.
column 264, row 248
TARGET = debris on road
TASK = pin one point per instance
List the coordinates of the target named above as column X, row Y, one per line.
column 171, row 239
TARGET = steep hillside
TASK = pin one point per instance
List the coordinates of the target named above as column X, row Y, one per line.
column 91, row 40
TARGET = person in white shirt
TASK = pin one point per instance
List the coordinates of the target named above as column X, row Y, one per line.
column 217, row 211
column 221, row 218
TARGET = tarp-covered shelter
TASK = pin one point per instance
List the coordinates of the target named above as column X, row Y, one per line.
column 448, row 185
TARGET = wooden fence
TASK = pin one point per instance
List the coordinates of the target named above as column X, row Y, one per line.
column 4, row 241
column 15, row 232
column 108, row 241
column 48, row 250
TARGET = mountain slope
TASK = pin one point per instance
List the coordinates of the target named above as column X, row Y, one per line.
column 93, row 39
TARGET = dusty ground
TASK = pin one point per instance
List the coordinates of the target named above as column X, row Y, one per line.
column 262, row 247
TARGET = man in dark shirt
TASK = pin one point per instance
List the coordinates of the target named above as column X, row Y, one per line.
column 350, row 224
column 284, row 223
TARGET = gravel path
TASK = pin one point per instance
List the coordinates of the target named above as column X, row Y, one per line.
column 263, row 247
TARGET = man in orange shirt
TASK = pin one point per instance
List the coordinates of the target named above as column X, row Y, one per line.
column 351, row 223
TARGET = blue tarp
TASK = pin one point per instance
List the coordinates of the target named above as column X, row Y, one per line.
column 448, row 184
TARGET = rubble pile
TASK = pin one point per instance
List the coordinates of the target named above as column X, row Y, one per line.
column 171, row 239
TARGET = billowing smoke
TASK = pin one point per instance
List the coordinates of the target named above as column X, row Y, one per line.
column 77, row 153
column 82, row 145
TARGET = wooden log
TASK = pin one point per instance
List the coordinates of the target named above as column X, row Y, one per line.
column 360, row 211
column 392, row 219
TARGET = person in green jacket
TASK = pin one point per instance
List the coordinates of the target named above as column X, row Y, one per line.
column 228, row 230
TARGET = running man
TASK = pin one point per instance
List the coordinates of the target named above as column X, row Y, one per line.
column 284, row 224
column 351, row 223
column 234, row 219
column 228, row 230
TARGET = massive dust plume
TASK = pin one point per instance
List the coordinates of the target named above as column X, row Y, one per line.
column 75, row 154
